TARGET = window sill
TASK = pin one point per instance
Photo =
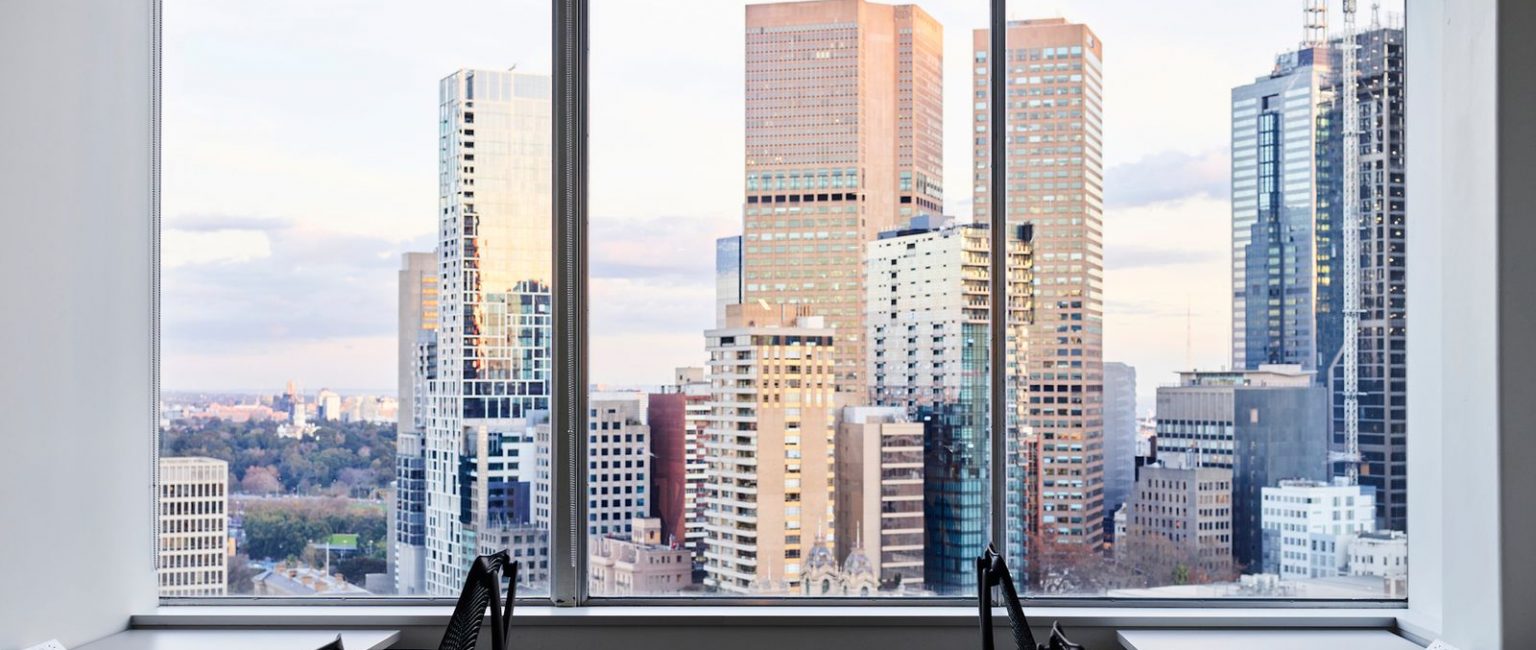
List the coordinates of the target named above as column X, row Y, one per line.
column 301, row 616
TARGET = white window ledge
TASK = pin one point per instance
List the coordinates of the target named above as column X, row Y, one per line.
column 195, row 616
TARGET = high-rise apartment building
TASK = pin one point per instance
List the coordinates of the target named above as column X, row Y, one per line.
column 493, row 264
column 1309, row 526
column 677, row 418
column 193, row 554
column 619, row 467
column 416, row 325
column 1119, row 438
column 769, row 492
column 1179, row 517
column 1264, row 425
column 1055, row 181
column 844, row 140
column 927, row 289
column 879, row 494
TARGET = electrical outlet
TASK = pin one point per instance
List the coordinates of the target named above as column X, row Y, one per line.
column 1441, row 645
column 51, row 644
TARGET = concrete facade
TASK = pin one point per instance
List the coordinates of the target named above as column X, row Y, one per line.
column 1264, row 425
column 193, row 554
column 821, row 183
column 880, row 492
column 769, row 442
column 1055, row 183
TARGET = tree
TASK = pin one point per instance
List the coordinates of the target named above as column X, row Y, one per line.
column 241, row 575
column 261, row 480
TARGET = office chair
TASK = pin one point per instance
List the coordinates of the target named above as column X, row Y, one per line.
column 482, row 590
column 992, row 571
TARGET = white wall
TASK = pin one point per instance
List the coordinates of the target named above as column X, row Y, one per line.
column 75, row 392
column 1472, row 326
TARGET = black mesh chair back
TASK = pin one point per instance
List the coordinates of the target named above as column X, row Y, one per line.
column 334, row 645
column 991, row 572
column 482, row 591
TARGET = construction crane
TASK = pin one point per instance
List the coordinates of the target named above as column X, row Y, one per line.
column 1350, row 217
column 1314, row 23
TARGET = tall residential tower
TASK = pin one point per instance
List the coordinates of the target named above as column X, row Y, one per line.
column 493, row 264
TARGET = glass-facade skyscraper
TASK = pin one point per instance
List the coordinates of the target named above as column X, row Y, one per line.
column 1286, row 248
column 493, row 334
column 1287, row 240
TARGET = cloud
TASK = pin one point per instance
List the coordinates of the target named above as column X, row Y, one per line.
column 1167, row 176
column 1133, row 257
column 217, row 222
column 678, row 249
column 306, row 285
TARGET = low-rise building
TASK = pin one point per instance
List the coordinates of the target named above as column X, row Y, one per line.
column 639, row 564
column 1308, row 526
column 193, row 540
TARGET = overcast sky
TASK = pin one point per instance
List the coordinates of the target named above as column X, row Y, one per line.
column 300, row 162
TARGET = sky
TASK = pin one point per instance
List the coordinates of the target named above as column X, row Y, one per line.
column 300, row 161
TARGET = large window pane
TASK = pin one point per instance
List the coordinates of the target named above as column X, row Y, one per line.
column 356, row 311
column 1187, row 367
column 787, row 315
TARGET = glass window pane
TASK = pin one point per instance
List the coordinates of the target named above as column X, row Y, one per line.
column 356, row 366
column 1186, row 373
column 784, row 303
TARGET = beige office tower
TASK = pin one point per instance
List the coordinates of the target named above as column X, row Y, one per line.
column 844, row 139
column 769, row 445
column 194, row 526
column 1055, row 181
column 880, row 492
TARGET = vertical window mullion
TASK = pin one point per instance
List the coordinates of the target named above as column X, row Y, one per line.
column 997, row 412
column 568, row 534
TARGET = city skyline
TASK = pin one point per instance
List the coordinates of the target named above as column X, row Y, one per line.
column 842, row 190
column 312, row 274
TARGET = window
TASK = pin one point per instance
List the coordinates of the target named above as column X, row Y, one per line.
column 1163, row 407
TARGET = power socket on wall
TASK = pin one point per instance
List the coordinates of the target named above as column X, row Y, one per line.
column 51, row 644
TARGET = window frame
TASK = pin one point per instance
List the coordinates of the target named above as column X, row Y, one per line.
column 569, row 583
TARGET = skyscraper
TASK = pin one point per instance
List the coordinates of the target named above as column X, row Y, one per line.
column 677, row 418
column 1287, row 239
column 193, row 554
column 822, row 182
column 1119, row 437
column 1383, row 336
column 927, row 290
column 1286, row 308
column 416, row 326
column 493, row 262
column 769, row 441
column 1055, row 182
